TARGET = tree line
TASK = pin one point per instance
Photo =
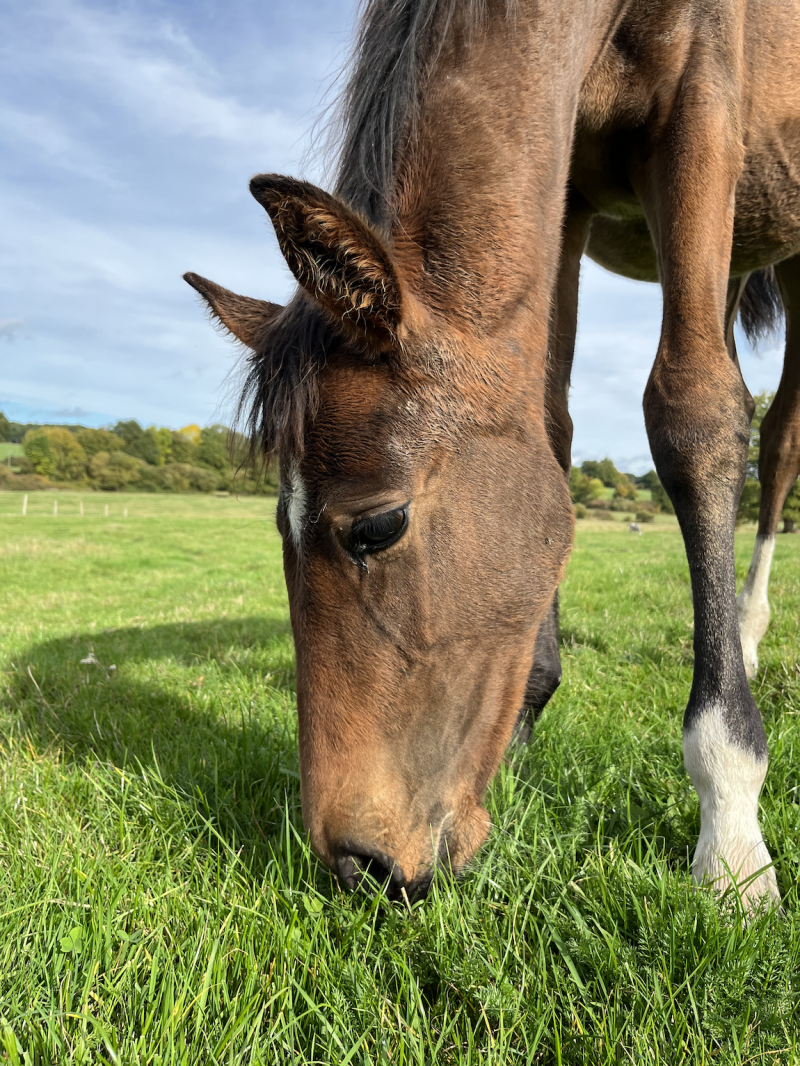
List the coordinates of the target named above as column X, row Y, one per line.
column 130, row 457
column 642, row 495
column 156, row 459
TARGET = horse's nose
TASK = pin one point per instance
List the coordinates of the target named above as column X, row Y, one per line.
column 368, row 868
column 361, row 867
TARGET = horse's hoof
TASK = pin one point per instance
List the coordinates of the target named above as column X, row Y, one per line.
column 752, row 880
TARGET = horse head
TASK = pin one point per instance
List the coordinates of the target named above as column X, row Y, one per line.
column 425, row 526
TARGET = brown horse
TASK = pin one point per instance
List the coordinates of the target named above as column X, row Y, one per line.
column 415, row 390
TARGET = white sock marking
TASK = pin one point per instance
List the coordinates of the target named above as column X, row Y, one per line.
column 752, row 602
column 728, row 780
column 296, row 505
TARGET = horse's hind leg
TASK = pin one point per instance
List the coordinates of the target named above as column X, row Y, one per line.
column 736, row 287
column 778, row 469
column 698, row 430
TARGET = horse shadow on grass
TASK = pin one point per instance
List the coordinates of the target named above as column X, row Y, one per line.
column 206, row 707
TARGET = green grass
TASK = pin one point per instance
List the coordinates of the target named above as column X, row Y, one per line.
column 158, row 903
column 10, row 449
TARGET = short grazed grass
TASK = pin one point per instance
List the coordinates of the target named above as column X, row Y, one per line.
column 158, row 903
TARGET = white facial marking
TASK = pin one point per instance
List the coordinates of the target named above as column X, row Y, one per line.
column 728, row 780
column 296, row 505
column 752, row 602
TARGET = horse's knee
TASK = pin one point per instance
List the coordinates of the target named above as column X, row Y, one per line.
column 699, row 439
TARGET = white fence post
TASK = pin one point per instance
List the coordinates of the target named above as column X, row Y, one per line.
column 106, row 511
column 24, row 505
column 55, row 508
column 81, row 508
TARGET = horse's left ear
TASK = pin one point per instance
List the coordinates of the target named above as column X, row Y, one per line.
column 247, row 319
column 336, row 257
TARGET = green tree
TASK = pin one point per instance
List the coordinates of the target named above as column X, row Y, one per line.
column 609, row 474
column 163, row 439
column 648, row 481
column 183, row 450
column 762, row 402
column 99, row 440
column 604, row 470
column 583, row 488
column 138, row 442
column 5, row 428
column 55, row 453
column 40, row 452
column 749, row 502
column 115, row 470
column 213, row 450
column 791, row 509
column 658, row 494
column 625, row 490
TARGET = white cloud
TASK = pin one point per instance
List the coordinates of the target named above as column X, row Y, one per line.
column 10, row 328
column 161, row 79
column 146, row 66
column 51, row 141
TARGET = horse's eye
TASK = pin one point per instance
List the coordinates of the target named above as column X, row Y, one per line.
column 377, row 532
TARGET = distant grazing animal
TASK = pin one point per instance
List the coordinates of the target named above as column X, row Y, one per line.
column 634, row 527
column 414, row 390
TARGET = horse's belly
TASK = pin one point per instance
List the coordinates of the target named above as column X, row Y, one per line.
column 623, row 247
column 767, row 227
column 767, row 223
column 618, row 101
column 619, row 239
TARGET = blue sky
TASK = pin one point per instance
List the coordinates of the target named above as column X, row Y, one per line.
column 128, row 133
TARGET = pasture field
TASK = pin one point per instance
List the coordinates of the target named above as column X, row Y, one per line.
column 158, row 903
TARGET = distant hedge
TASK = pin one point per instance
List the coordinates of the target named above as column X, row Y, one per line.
column 132, row 458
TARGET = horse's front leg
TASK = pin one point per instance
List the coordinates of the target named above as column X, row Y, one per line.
column 545, row 675
column 698, row 430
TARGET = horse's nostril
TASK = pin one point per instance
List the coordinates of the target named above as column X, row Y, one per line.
column 376, row 872
column 370, row 871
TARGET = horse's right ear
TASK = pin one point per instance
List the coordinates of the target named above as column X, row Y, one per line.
column 247, row 319
column 337, row 257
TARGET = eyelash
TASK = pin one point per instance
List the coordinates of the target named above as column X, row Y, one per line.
column 377, row 532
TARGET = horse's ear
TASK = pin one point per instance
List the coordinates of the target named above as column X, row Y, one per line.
column 247, row 319
column 335, row 255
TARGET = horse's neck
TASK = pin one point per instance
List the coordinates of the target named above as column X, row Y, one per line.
column 481, row 186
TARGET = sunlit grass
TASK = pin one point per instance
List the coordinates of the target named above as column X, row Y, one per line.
column 158, row 903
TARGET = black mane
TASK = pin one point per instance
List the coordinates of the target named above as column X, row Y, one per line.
column 397, row 44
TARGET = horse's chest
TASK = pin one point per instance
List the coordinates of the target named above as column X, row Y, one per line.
column 615, row 102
